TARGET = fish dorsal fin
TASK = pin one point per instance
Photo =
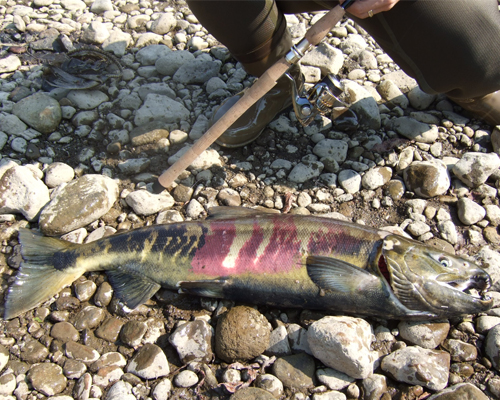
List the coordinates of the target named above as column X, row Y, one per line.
column 130, row 287
column 404, row 290
column 340, row 276
column 227, row 212
column 205, row 288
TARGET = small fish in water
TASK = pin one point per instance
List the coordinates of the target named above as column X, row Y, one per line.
column 248, row 256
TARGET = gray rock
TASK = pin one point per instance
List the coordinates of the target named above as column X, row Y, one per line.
column 418, row 366
column 296, row 371
column 22, row 192
column 171, row 62
column 278, row 342
column 58, row 173
column 241, row 334
column 197, row 71
column 149, row 362
column 414, row 130
column 419, row 99
column 305, row 171
column 185, row 379
column 333, row 379
column 469, row 212
column 297, row 337
column 87, row 99
column 492, row 346
column 199, row 127
column 117, row 42
column 426, row 334
column 100, row 6
column 193, row 341
column 349, row 180
column 343, row 343
column 474, row 169
column 47, row 378
column 209, row 158
column 334, row 149
column 390, row 92
column 164, row 24
column 427, row 178
column 95, row 33
column 376, row 177
column 155, row 88
column 134, row 166
column 363, row 104
column 150, row 54
column 69, row 208
column 325, row 57
column 39, row 111
column 160, row 108
column 146, row 203
column 460, row 391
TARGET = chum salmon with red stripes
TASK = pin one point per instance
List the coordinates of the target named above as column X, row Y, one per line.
column 250, row 256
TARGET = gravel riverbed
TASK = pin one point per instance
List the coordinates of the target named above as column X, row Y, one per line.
column 80, row 164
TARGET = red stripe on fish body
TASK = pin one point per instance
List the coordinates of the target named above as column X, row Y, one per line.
column 278, row 244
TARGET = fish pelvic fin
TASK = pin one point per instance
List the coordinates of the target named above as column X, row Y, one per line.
column 205, row 288
column 131, row 287
column 37, row 279
column 339, row 276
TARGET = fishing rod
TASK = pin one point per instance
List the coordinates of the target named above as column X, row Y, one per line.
column 305, row 107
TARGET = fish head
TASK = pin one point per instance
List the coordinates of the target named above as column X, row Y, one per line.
column 427, row 279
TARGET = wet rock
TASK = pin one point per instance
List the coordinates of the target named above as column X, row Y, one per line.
column 460, row 391
column 343, row 343
column 47, row 378
column 241, row 334
column 80, row 352
column 146, row 203
column 427, row 178
column 103, row 295
column 77, row 204
column 193, row 341
column 415, row 365
column 252, row 393
column 112, row 359
column 474, row 168
column 132, row 333
column 40, row 111
column 149, row 362
column 21, row 191
column 428, row 335
column 89, row 317
column 110, row 329
column 460, row 351
column 33, row 351
column 73, row 369
column 85, row 290
column 64, row 332
column 296, row 371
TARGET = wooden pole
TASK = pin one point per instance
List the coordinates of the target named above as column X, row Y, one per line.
column 266, row 82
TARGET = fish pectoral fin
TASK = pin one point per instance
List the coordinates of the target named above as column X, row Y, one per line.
column 131, row 288
column 230, row 212
column 340, row 276
column 205, row 288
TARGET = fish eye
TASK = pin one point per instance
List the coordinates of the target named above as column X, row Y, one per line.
column 445, row 262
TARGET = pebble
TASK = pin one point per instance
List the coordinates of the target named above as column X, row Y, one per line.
column 146, row 203
column 185, row 379
column 47, row 378
column 132, row 333
column 473, row 169
column 426, row 334
column 270, row 383
column 333, row 379
column 343, row 343
column 427, row 178
column 193, row 341
column 470, row 212
column 149, row 362
column 295, row 371
column 415, row 130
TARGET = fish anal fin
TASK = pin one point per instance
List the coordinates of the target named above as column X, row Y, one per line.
column 229, row 212
column 205, row 288
column 131, row 288
column 339, row 276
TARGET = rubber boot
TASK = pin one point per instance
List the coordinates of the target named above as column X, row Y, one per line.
column 251, row 124
column 486, row 108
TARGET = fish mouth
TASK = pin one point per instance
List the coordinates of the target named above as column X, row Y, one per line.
column 476, row 286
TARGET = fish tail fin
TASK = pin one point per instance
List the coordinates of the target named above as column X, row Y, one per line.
column 37, row 279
